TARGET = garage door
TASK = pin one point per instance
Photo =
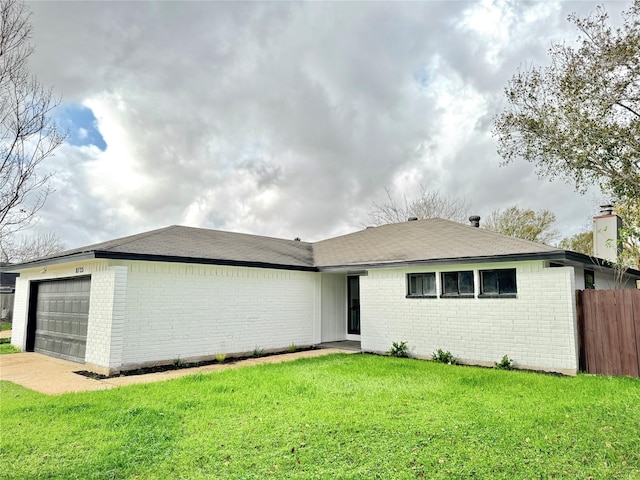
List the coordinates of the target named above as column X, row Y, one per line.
column 62, row 314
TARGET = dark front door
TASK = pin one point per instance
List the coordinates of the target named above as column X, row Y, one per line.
column 353, row 295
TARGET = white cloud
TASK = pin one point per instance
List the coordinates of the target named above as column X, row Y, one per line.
column 286, row 119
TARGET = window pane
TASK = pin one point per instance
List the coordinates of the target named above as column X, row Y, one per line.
column 422, row 284
column 489, row 281
column 429, row 284
column 466, row 282
column 589, row 279
column 450, row 282
column 413, row 284
column 507, row 281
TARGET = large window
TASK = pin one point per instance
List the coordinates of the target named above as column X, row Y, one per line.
column 421, row 285
column 457, row 284
column 498, row 283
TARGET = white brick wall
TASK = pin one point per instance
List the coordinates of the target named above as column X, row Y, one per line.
column 537, row 329
column 187, row 311
column 106, row 318
column 20, row 312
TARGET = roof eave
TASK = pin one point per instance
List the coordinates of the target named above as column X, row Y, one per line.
column 203, row 261
column 553, row 255
column 449, row 260
column 43, row 262
column 109, row 255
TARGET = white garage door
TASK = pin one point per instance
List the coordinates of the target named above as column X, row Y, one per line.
column 62, row 315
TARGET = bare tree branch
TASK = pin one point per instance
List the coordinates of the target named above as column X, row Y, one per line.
column 427, row 204
column 28, row 135
column 25, row 248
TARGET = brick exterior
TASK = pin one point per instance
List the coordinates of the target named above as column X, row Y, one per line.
column 105, row 335
column 144, row 313
column 179, row 311
column 537, row 329
column 20, row 312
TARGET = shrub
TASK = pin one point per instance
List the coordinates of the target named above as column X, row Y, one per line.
column 258, row 352
column 505, row 364
column 178, row 363
column 220, row 357
column 292, row 347
column 399, row 349
column 444, row 357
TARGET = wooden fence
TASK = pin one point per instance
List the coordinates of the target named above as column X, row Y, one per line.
column 609, row 331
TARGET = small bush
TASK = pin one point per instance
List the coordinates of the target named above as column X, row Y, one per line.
column 399, row 349
column 444, row 357
column 220, row 357
column 505, row 364
column 178, row 363
column 258, row 352
column 293, row 348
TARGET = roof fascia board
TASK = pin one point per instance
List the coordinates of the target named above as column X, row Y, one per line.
column 553, row 255
column 201, row 261
column 589, row 261
column 556, row 255
column 50, row 261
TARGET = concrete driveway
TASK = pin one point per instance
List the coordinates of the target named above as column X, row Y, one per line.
column 55, row 376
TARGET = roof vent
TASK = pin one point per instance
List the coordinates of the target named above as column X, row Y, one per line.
column 297, row 239
column 606, row 209
column 475, row 221
column 412, row 219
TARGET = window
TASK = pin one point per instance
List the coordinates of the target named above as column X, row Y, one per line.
column 589, row 280
column 494, row 283
column 421, row 285
column 457, row 284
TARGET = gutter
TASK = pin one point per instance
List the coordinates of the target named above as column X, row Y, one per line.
column 554, row 255
column 107, row 255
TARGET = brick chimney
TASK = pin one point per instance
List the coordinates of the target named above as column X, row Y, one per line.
column 606, row 234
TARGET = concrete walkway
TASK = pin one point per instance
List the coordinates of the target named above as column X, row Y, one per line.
column 55, row 376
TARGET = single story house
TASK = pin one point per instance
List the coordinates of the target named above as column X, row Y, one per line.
column 191, row 293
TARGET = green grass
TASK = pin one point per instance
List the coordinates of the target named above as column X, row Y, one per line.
column 340, row 416
column 6, row 347
column 5, row 326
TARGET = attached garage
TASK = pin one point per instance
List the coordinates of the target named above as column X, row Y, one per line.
column 58, row 323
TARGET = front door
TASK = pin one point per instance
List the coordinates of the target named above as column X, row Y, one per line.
column 353, row 297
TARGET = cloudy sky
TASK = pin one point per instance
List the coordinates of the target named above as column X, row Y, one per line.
column 286, row 119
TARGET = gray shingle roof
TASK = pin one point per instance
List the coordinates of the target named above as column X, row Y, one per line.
column 415, row 241
column 420, row 240
column 214, row 246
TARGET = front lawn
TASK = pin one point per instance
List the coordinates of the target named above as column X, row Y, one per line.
column 6, row 347
column 340, row 416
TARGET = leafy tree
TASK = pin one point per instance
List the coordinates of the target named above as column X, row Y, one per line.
column 580, row 242
column 629, row 211
column 27, row 133
column 526, row 224
column 579, row 118
column 428, row 204
column 25, row 248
